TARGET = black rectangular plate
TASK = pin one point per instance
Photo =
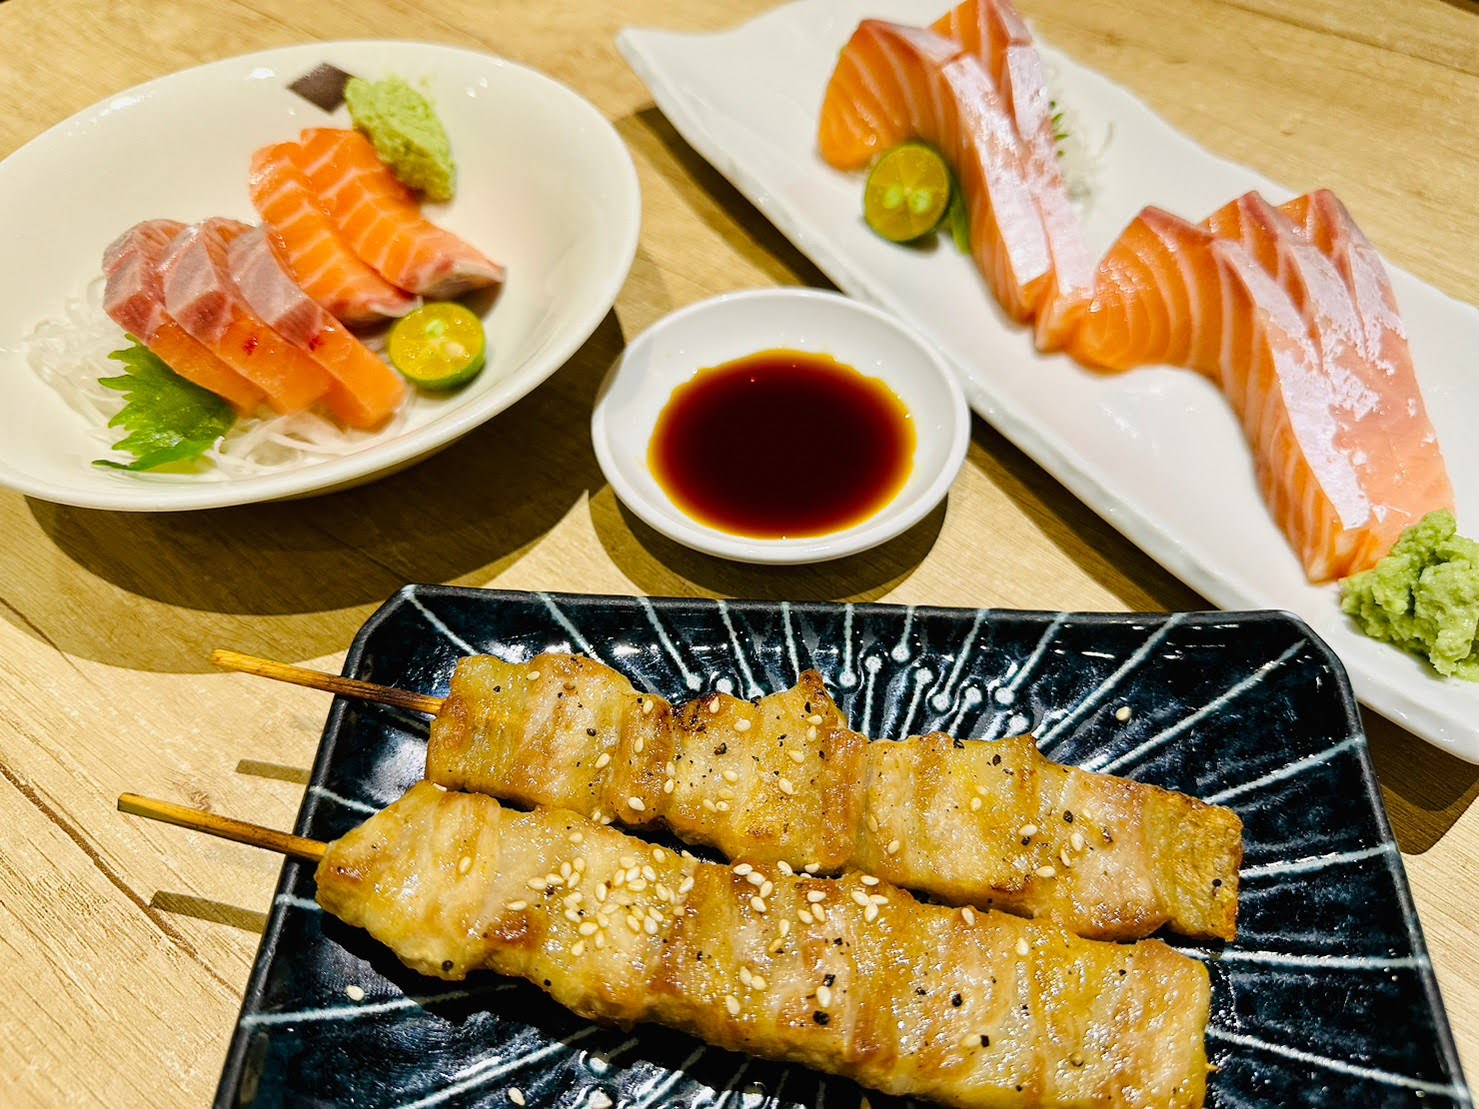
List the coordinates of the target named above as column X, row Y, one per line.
column 1326, row 999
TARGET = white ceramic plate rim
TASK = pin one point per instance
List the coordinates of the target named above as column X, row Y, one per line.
column 891, row 520
column 620, row 178
column 747, row 101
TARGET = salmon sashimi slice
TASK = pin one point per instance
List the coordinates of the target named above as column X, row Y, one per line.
column 199, row 293
column 310, row 247
column 993, row 31
column 1380, row 424
column 134, row 299
column 380, row 219
column 1344, row 453
column 364, row 390
column 1382, row 336
column 894, row 83
column 1160, row 298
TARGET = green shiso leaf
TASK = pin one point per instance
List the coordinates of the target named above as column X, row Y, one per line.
column 168, row 419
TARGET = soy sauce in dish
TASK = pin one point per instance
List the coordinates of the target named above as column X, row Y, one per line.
column 782, row 444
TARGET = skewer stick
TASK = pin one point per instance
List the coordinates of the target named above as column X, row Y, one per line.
column 237, row 830
column 330, row 683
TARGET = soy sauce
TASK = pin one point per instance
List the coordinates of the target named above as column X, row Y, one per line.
column 782, row 444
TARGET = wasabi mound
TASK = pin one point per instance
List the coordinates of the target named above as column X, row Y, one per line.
column 1424, row 596
column 408, row 136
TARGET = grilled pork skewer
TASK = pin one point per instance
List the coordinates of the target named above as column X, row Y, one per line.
column 849, row 976
column 994, row 825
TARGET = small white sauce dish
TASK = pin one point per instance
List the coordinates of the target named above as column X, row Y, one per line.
column 724, row 328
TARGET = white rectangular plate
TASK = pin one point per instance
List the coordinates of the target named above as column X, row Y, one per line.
column 1157, row 452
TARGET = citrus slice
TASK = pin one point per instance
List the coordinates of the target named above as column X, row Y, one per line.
column 438, row 346
column 908, row 192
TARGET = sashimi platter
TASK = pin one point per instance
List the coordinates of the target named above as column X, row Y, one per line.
column 339, row 261
column 1229, row 373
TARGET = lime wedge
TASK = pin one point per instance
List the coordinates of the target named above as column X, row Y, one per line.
column 908, row 192
column 438, row 346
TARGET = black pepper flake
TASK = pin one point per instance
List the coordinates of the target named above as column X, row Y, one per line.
column 1216, row 883
column 995, row 760
column 985, row 1040
column 1067, row 817
column 722, row 749
column 447, row 966
column 956, row 999
column 920, row 991
column 827, row 981
column 590, row 731
column 498, row 689
column 820, row 1017
column 546, row 983
column 821, row 754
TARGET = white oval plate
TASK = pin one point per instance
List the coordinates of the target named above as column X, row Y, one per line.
column 734, row 325
column 545, row 186
column 1157, row 452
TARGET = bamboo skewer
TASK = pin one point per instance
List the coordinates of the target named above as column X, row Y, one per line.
column 330, row 683
column 239, row 831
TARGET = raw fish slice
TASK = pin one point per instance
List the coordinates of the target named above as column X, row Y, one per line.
column 894, row 83
column 365, row 390
column 381, row 220
column 1378, row 425
column 1382, row 335
column 994, row 32
column 199, row 293
column 134, row 299
column 1160, row 298
column 310, row 247
column 1344, row 460
column 1289, row 404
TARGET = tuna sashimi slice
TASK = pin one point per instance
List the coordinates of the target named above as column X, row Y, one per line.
column 381, row 220
column 199, row 293
column 310, row 247
column 365, row 390
column 134, row 299
column 894, row 83
column 1344, row 453
column 993, row 31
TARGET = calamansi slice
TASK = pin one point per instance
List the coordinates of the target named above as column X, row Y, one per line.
column 908, row 192
column 438, row 346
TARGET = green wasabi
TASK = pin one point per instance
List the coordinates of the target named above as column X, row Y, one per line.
column 406, row 132
column 1424, row 596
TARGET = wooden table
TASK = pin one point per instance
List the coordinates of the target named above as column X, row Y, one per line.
column 125, row 946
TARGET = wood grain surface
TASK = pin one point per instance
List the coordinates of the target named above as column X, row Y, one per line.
column 125, row 946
